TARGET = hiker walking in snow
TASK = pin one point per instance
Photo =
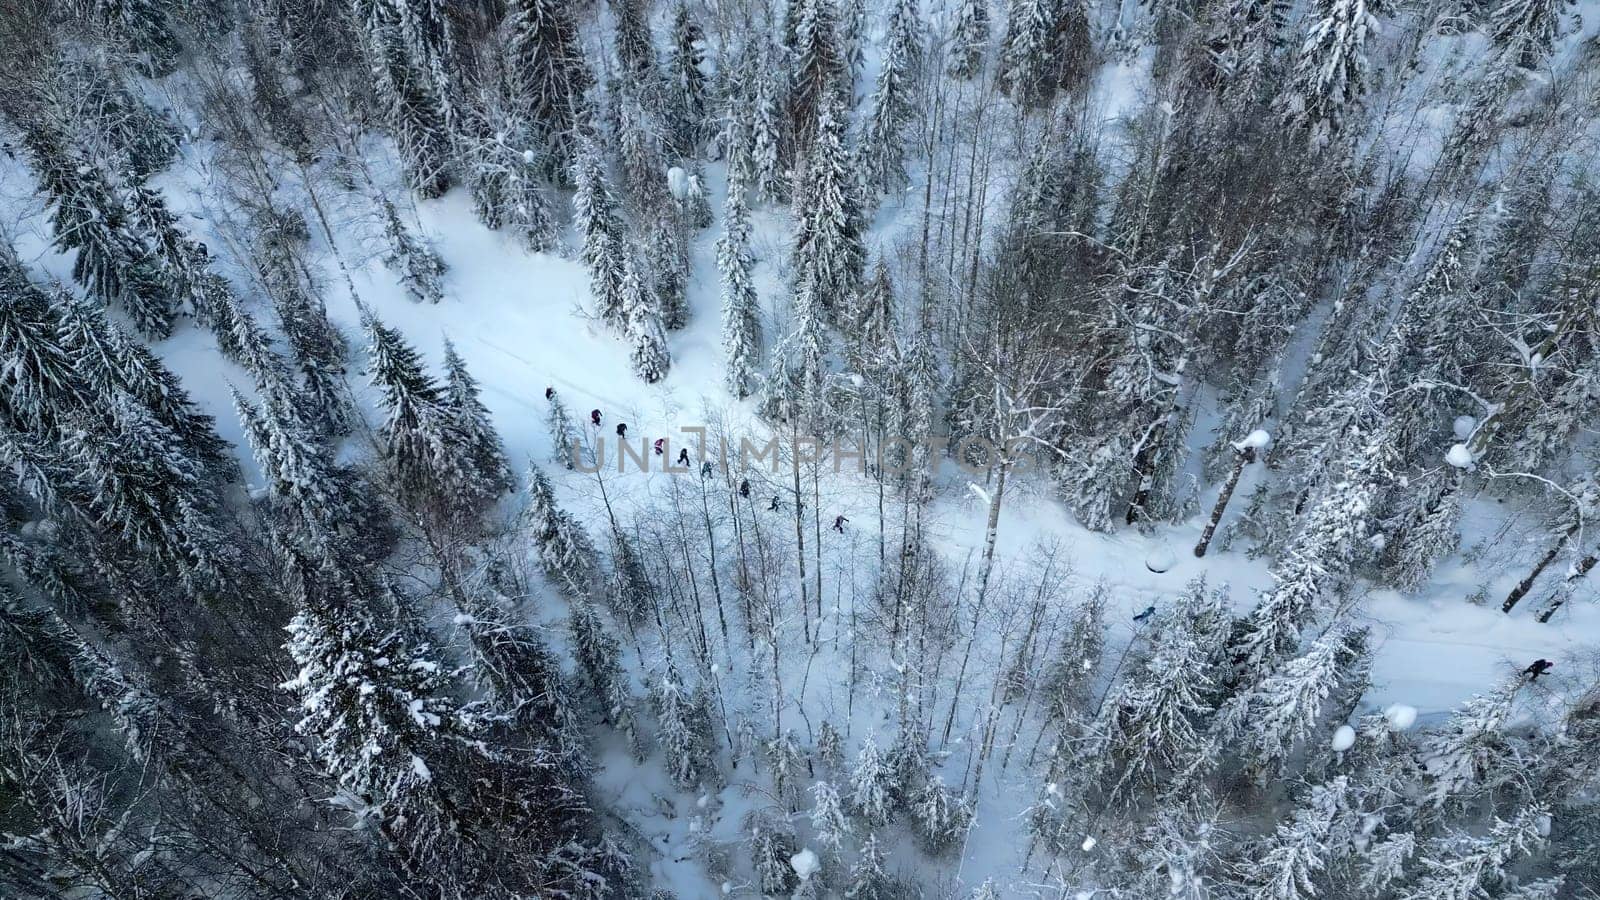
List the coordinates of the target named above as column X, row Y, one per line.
column 1538, row 667
column 775, row 504
column 594, row 416
column 660, row 445
column 1148, row 612
column 744, row 488
column 622, row 430
column 838, row 523
column 549, row 393
column 683, row 456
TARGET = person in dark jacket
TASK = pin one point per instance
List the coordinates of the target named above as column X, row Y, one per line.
column 744, row 488
column 1537, row 668
column 622, row 430
column 838, row 523
column 594, row 416
column 660, row 445
column 683, row 456
column 549, row 393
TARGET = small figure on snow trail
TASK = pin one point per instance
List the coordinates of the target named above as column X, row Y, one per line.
column 622, row 430
column 705, row 469
column 549, row 393
column 683, row 456
column 744, row 488
column 660, row 445
column 594, row 416
column 776, row 503
column 1148, row 612
column 838, row 523
column 1537, row 668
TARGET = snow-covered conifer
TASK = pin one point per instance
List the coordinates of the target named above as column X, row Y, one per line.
column 547, row 75
column 564, row 548
column 828, row 820
column 970, row 42
column 1330, row 75
column 601, row 232
column 418, row 267
column 741, row 314
column 873, row 791
column 647, row 336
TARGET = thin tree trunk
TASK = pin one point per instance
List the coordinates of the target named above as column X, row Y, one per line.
column 1242, row 458
column 1526, row 584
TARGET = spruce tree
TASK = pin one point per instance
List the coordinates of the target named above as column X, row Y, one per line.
column 828, row 250
column 641, row 311
column 471, row 422
column 547, row 76
column 741, row 314
column 414, row 262
column 894, row 99
column 1330, row 74
column 564, row 548
column 405, row 65
column 970, row 43
column 686, row 98
column 601, row 232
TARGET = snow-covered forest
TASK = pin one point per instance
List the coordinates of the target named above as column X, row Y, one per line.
column 878, row 449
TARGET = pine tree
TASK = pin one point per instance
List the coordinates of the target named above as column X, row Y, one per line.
column 144, row 28
column 784, row 761
column 771, row 845
column 300, row 471
column 1151, row 727
column 564, row 447
column 110, row 362
column 597, row 222
column 513, row 662
column 767, row 132
column 1472, row 754
column 433, row 463
column 1284, row 709
column 635, row 45
column 869, row 880
column 1463, row 867
column 941, row 816
column 147, row 492
column 818, row 79
column 41, row 384
column 685, row 730
column 408, row 760
column 641, row 311
column 741, row 315
column 564, row 548
column 1525, row 30
column 503, row 172
column 1297, row 853
column 970, row 42
column 598, row 656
